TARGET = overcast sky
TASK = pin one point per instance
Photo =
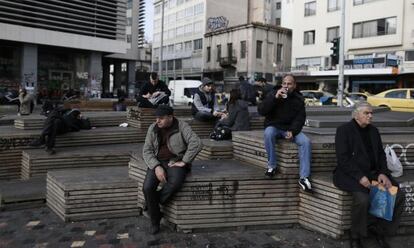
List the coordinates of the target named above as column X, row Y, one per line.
column 149, row 19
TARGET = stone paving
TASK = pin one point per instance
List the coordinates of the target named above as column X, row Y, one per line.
column 40, row 228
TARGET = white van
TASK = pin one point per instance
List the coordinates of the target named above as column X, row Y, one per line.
column 182, row 91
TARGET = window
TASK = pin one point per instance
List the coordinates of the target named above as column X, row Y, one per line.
column 397, row 94
column 378, row 27
column 189, row 12
column 170, row 49
column 198, row 44
column 310, row 61
column 179, row 31
column 178, row 64
column 198, row 27
column 180, row 14
column 188, row 29
column 179, row 2
column 208, row 54
column 187, row 46
column 279, row 52
column 199, row 9
column 170, row 65
column 178, row 47
column 278, row 5
column 157, row 23
column 277, row 21
column 129, row 21
column 157, row 37
column 229, row 50
column 129, row 38
column 218, row 52
column 332, row 33
column 409, row 55
column 129, row 4
column 309, row 37
column 334, row 5
column 310, row 8
column 243, row 49
column 259, row 44
column 359, row 2
column 157, row 9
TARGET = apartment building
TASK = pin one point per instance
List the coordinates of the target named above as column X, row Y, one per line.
column 243, row 39
column 57, row 45
column 379, row 43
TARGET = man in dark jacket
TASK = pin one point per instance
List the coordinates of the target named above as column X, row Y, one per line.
column 284, row 111
column 153, row 93
column 204, row 106
column 361, row 159
column 169, row 149
column 247, row 91
column 59, row 121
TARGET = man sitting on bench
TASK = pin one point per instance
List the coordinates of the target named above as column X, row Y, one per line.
column 169, row 149
column 153, row 93
column 60, row 121
column 361, row 159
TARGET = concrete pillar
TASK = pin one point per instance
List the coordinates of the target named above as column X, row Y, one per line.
column 117, row 76
column 29, row 67
column 105, row 77
column 131, row 64
column 95, row 74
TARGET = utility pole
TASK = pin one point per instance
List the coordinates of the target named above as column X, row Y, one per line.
column 162, row 39
column 341, row 56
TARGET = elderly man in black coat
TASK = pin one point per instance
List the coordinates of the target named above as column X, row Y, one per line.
column 361, row 159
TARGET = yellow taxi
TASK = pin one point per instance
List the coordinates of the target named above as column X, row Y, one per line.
column 395, row 99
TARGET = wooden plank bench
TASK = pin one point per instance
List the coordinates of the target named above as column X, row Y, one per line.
column 97, row 119
column 144, row 117
column 18, row 194
column 37, row 163
column 85, row 194
column 227, row 193
column 214, row 150
column 96, row 104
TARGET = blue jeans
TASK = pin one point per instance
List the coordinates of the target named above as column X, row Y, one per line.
column 304, row 147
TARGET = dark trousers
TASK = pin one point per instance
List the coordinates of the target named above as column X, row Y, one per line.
column 361, row 219
column 144, row 103
column 175, row 179
column 205, row 117
column 52, row 127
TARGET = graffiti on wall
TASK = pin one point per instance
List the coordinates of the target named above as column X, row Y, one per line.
column 216, row 23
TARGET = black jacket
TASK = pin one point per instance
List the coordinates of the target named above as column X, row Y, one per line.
column 287, row 114
column 353, row 161
column 238, row 119
column 150, row 88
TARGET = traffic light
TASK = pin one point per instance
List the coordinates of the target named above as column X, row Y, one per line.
column 335, row 51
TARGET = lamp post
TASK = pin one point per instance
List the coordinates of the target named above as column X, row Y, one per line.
column 341, row 56
column 162, row 38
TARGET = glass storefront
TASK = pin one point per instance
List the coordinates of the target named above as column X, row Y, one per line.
column 10, row 59
column 60, row 70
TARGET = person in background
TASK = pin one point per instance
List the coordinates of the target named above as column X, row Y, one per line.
column 120, row 105
column 262, row 88
column 247, row 91
column 204, row 107
column 153, row 93
column 237, row 117
column 26, row 102
column 361, row 159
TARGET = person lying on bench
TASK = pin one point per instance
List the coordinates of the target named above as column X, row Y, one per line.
column 169, row 149
column 60, row 121
column 361, row 159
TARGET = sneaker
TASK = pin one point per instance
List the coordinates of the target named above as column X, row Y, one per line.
column 50, row 151
column 36, row 143
column 305, row 184
column 270, row 172
column 154, row 229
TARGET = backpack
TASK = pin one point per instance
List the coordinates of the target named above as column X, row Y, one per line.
column 221, row 133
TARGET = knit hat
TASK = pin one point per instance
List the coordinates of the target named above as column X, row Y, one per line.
column 163, row 110
column 205, row 81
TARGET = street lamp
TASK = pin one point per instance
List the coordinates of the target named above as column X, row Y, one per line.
column 162, row 38
column 341, row 56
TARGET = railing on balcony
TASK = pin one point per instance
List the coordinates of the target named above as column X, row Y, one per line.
column 228, row 61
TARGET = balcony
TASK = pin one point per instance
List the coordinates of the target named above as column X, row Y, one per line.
column 228, row 61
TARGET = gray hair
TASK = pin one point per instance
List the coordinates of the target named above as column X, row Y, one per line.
column 359, row 106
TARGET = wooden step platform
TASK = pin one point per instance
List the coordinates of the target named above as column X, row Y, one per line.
column 85, row 194
column 227, row 193
column 214, row 150
column 103, row 104
column 144, row 117
column 97, row 119
column 37, row 162
column 18, row 194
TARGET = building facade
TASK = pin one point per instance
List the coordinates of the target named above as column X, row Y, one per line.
column 379, row 43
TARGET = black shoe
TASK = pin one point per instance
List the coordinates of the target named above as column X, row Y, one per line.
column 382, row 242
column 50, row 151
column 36, row 143
column 154, row 229
column 305, row 184
column 356, row 243
column 270, row 173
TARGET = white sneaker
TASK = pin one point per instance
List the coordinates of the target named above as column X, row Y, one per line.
column 305, row 184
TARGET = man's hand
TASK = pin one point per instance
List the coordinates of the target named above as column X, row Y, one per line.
column 217, row 114
column 288, row 135
column 160, row 173
column 364, row 181
column 177, row 164
column 156, row 93
column 280, row 93
column 148, row 95
column 384, row 180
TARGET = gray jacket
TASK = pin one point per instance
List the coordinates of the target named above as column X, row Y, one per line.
column 183, row 142
column 238, row 118
column 25, row 102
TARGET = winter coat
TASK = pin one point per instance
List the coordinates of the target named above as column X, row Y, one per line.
column 25, row 103
column 353, row 161
column 203, row 101
column 238, row 117
column 287, row 114
column 150, row 88
column 182, row 141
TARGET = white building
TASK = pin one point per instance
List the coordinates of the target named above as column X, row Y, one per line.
column 378, row 34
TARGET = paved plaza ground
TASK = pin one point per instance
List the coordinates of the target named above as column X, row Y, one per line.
column 39, row 228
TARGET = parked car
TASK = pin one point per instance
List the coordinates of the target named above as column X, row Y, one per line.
column 395, row 99
column 9, row 96
column 357, row 96
column 316, row 97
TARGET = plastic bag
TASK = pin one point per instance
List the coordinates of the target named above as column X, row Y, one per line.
column 393, row 162
column 382, row 201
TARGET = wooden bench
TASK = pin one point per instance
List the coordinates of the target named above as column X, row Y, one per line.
column 214, row 150
column 37, row 163
column 96, row 104
column 144, row 117
column 97, row 119
column 85, row 194
column 226, row 193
